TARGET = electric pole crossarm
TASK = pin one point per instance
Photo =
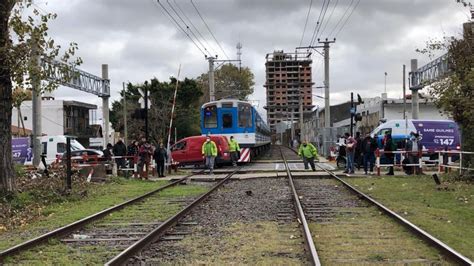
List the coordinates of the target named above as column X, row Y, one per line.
column 76, row 78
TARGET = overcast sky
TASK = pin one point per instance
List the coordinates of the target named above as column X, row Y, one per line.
column 140, row 42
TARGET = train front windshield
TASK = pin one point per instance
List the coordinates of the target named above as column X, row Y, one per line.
column 210, row 116
column 245, row 115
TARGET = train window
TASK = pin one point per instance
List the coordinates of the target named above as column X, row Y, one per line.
column 245, row 115
column 210, row 117
column 227, row 120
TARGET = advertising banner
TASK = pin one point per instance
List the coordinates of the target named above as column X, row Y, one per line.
column 21, row 150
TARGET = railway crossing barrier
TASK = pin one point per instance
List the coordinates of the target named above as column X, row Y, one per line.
column 445, row 161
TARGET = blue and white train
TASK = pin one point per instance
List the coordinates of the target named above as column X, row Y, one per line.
column 240, row 119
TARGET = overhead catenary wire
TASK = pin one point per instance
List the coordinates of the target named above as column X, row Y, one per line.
column 179, row 26
column 306, row 21
column 319, row 21
column 345, row 22
column 195, row 28
column 341, row 19
column 329, row 18
column 188, row 28
column 209, row 29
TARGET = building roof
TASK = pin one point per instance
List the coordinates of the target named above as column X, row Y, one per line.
column 80, row 104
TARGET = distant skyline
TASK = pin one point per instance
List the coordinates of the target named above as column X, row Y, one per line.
column 139, row 42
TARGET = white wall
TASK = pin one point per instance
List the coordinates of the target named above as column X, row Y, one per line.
column 52, row 117
column 427, row 111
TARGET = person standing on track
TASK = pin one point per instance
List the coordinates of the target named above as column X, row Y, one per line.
column 209, row 151
column 234, row 150
column 309, row 154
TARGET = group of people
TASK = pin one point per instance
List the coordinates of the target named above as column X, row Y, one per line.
column 142, row 150
column 209, row 152
column 360, row 152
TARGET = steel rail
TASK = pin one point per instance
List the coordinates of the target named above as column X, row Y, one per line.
column 453, row 254
column 82, row 222
column 314, row 258
column 154, row 235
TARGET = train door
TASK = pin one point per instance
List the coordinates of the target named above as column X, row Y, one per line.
column 227, row 121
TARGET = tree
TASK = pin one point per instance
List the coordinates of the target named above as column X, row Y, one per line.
column 24, row 41
column 186, row 119
column 455, row 93
column 229, row 82
column 19, row 96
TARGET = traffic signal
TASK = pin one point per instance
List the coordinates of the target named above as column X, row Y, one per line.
column 358, row 117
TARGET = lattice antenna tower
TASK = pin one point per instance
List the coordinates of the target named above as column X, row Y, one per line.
column 239, row 54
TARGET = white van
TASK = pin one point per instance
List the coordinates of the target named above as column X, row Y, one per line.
column 56, row 145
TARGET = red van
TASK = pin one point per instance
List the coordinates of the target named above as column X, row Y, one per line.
column 187, row 151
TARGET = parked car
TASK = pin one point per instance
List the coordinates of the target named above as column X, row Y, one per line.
column 93, row 155
column 187, row 151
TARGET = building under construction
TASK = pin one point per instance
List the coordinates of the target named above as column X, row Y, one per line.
column 288, row 85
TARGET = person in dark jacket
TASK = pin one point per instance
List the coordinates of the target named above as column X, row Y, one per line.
column 161, row 155
column 414, row 148
column 120, row 150
column 144, row 155
column 389, row 147
column 132, row 150
column 108, row 153
column 369, row 145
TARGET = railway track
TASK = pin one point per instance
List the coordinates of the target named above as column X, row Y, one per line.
column 348, row 227
column 112, row 232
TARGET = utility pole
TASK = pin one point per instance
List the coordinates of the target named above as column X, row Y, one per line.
column 404, row 93
column 414, row 87
column 327, row 103
column 36, row 100
column 212, row 60
column 146, row 109
column 105, row 107
column 212, row 96
column 352, row 114
column 124, row 107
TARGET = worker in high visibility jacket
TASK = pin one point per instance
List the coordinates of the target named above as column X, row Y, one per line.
column 209, row 151
column 309, row 154
column 234, row 150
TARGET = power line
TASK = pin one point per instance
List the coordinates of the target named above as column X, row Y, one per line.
column 306, row 22
column 330, row 16
column 187, row 27
column 340, row 19
column 179, row 26
column 318, row 23
column 347, row 18
column 195, row 28
column 322, row 19
column 209, row 29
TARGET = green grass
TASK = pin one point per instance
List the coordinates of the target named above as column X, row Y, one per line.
column 446, row 212
column 363, row 235
column 156, row 208
column 99, row 197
